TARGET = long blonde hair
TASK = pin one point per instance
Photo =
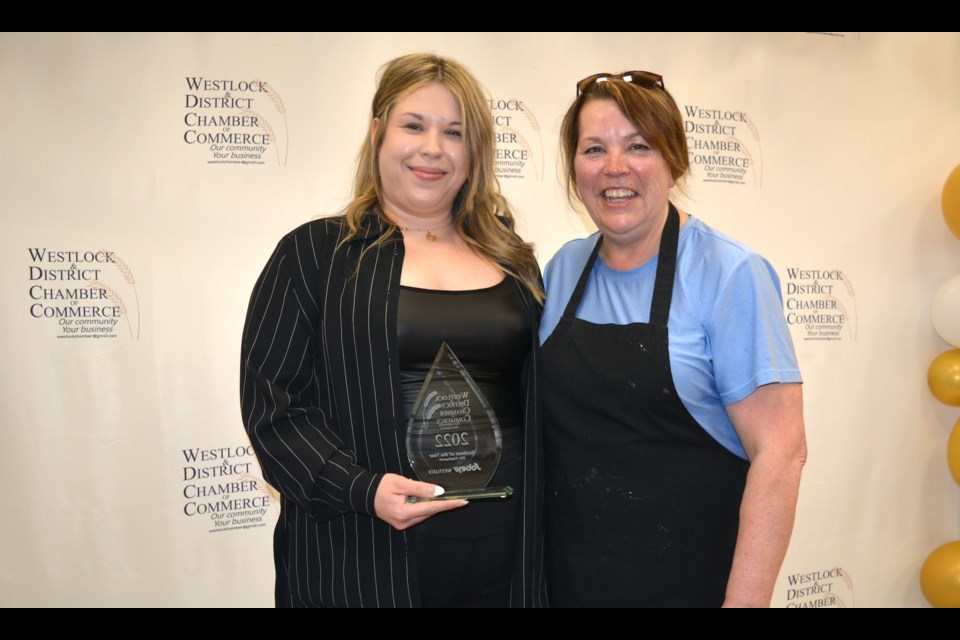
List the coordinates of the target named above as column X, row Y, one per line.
column 481, row 214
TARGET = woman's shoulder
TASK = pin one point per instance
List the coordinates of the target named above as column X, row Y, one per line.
column 315, row 239
column 575, row 251
column 329, row 232
column 328, row 226
column 700, row 241
column 710, row 261
column 565, row 266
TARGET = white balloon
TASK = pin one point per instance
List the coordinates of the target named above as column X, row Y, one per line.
column 945, row 311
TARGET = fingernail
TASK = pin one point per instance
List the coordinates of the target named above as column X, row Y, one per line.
column 438, row 491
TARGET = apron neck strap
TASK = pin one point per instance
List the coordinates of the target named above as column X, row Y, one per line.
column 666, row 269
column 574, row 302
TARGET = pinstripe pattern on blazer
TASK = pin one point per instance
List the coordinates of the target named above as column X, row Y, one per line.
column 319, row 388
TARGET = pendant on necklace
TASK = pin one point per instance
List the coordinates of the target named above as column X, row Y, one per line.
column 431, row 236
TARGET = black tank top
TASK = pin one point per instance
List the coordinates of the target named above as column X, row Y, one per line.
column 490, row 332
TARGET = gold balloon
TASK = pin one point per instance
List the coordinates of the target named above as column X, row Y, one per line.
column 953, row 452
column 943, row 377
column 950, row 201
column 940, row 576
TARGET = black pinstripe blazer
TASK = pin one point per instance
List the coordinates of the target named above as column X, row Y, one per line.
column 319, row 389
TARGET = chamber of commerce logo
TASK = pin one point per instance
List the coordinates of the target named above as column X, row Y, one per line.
column 84, row 293
column 222, row 490
column 236, row 121
column 724, row 145
column 519, row 143
column 821, row 589
column 821, row 303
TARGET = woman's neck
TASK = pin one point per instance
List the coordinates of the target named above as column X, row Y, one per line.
column 624, row 256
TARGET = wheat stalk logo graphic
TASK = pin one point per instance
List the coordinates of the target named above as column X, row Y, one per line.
column 852, row 326
column 281, row 109
column 264, row 125
column 841, row 604
column 127, row 274
column 853, row 302
column 756, row 136
column 846, row 283
column 535, row 125
column 837, row 599
column 846, row 578
column 264, row 488
column 746, row 152
column 523, row 143
column 113, row 297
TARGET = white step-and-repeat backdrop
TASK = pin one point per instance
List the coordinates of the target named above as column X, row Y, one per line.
column 146, row 178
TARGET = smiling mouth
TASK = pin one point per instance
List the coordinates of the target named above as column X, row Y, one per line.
column 618, row 195
column 428, row 172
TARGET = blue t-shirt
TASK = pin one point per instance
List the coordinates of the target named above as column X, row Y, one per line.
column 728, row 334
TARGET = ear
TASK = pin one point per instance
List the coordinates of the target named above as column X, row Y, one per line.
column 374, row 125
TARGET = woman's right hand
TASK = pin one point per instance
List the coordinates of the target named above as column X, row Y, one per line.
column 393, row 507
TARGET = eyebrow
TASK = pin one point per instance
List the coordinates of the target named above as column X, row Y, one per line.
column 418, row 116
column 601, row 139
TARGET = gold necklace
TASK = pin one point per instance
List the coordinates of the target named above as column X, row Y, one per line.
column 429, row 235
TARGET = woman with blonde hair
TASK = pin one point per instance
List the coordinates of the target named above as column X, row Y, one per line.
column 342, row 329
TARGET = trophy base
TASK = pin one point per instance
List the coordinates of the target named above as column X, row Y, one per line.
column 469, row 494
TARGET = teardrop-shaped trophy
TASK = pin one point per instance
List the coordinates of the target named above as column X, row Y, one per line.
column 453, row 437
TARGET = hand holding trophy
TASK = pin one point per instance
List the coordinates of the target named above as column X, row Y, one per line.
column 453, row 437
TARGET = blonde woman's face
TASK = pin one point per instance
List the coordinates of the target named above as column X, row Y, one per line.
column 422, row 160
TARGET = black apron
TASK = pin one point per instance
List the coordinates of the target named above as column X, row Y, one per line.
column 642, row 504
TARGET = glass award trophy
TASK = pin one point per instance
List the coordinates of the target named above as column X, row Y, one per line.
column 453, row 437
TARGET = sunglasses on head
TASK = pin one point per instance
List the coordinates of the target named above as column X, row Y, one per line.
column 645, row 79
